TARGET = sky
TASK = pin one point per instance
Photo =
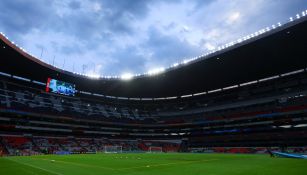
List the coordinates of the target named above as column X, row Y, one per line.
column 116, row 37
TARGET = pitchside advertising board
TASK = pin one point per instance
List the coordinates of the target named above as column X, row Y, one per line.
column 60, row 87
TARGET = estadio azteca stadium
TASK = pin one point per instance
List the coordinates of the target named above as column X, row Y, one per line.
column 246, row 97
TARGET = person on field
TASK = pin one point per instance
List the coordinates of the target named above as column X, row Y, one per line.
column 270, row 152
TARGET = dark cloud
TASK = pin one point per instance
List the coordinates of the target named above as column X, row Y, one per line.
column 165, row 50
column 169, row 48
column 118, row 15
column 200, row 3
column 74, row 5
column 19, row 17
column 128, row 61
column 139, row 8
column 69, row 50
column 94, row 27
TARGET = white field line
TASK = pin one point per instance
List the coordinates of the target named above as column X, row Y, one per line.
column 107, row 168
column 79, row 164
column 26, row 170
column 36, row 167
column 168, row 164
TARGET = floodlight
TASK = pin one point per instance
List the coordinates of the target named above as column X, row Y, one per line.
column 176, row 64
column 185, row 61
column 156, row 71
column 93, row 75
column 127, row 76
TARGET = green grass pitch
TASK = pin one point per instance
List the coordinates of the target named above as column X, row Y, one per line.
column 152, row 164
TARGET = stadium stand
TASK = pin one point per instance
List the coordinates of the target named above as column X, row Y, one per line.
column 272, row 118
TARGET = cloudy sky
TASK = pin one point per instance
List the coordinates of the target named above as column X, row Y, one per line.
column 113, row 37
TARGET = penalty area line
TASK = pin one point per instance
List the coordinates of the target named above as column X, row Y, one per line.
column 80, row 164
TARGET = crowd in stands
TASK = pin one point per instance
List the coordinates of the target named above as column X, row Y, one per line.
column 21, row 145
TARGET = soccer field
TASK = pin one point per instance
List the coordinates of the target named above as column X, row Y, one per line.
column 152, row 164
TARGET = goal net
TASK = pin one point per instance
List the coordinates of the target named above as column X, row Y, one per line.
column 113, row 149
column 155, row 149
column 196, row 150
column 201, row 150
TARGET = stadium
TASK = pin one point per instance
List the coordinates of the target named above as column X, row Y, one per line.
column 238, row 110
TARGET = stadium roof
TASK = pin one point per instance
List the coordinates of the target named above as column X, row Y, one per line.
column 273, row 53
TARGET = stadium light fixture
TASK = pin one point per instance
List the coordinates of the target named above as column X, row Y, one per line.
column 127, row 76
column 156, row 71
column 93, row 76
column 176, row 64
column 300, row 125
column 286, row 126
column 186, row 61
